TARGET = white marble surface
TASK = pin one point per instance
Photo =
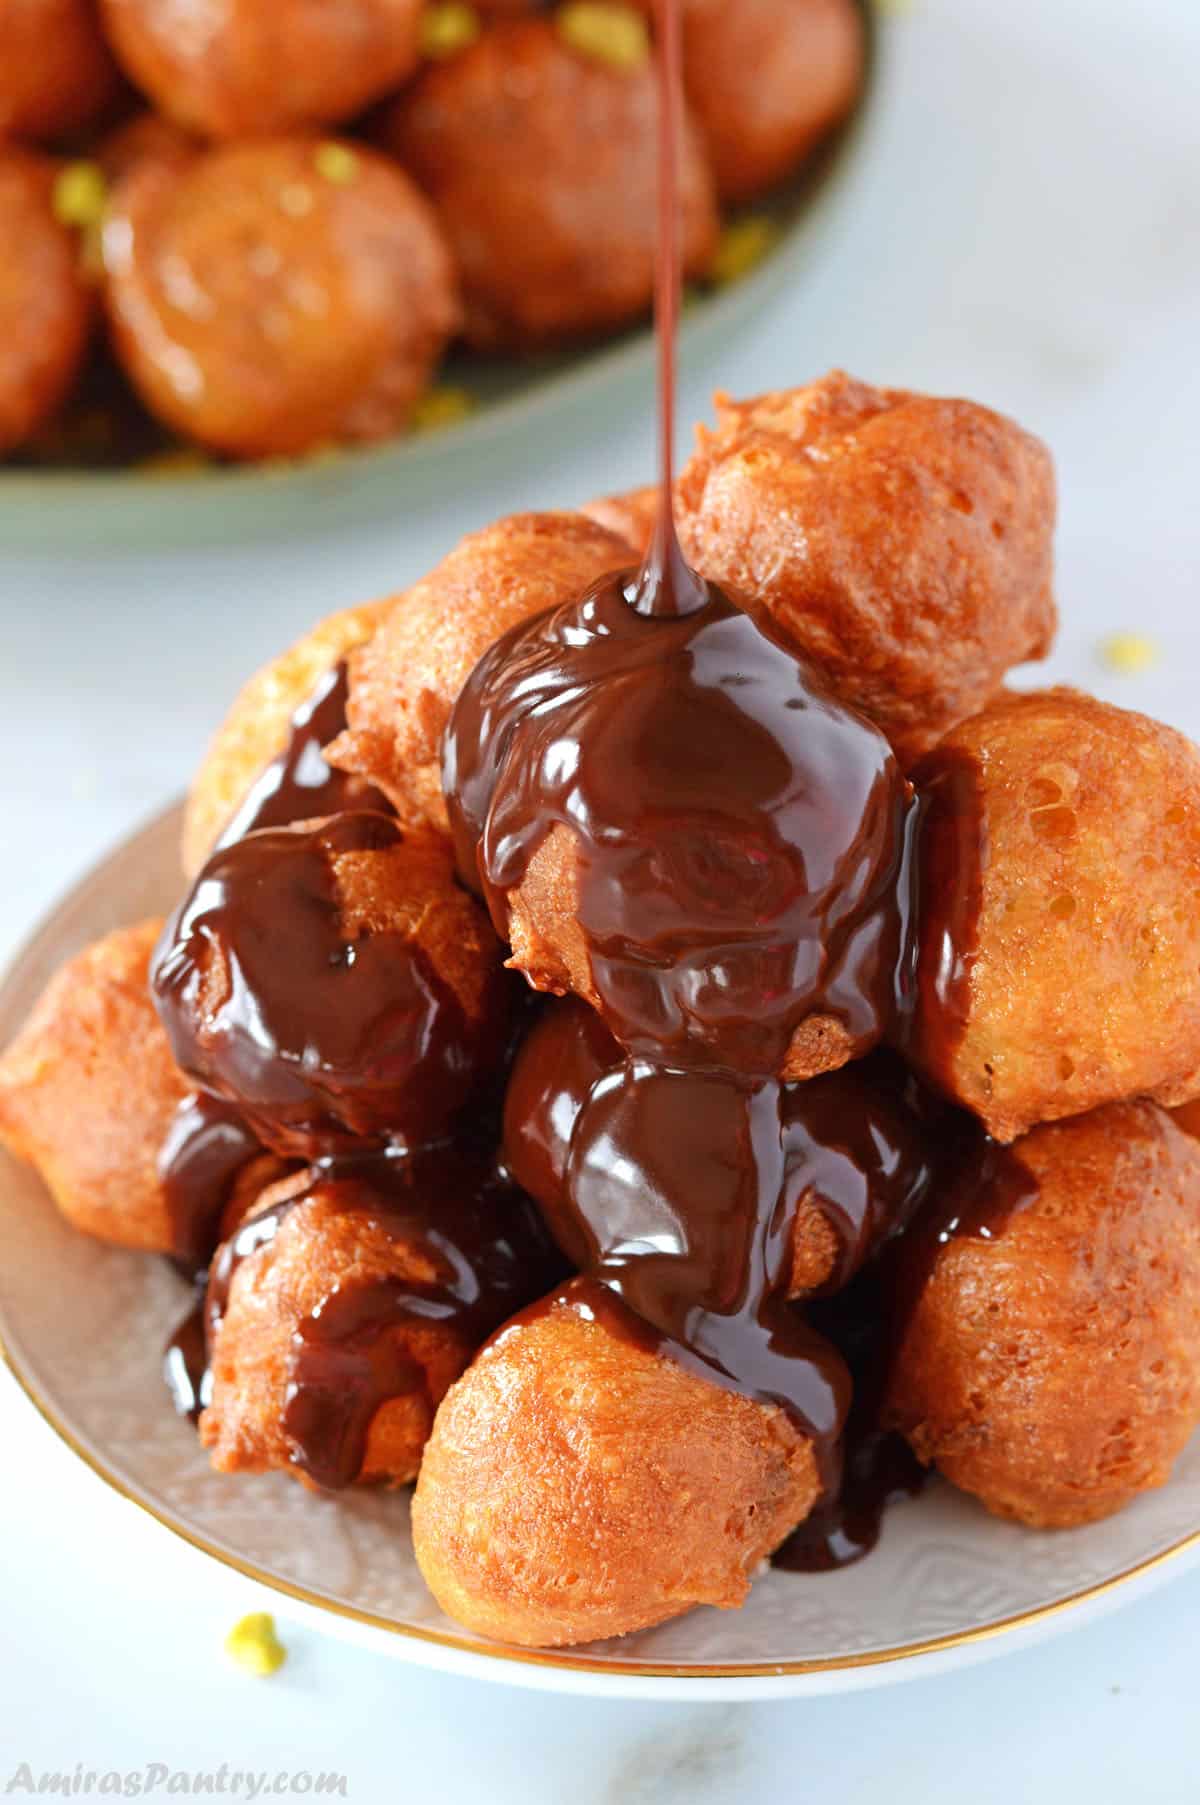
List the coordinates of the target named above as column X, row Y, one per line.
column 1023, row 229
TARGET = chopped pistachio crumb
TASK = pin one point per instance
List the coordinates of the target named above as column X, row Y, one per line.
column 181, row 460
column 448, row 28
column 336, row 162
column 441, row 406
column 742, row 246
column 80, row 194
column 1128, row 653
column 253, row 1644
column 611, row 34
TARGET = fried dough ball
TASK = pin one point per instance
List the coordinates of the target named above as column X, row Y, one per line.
column 541, row 162
column 332, row 981
column 89, row 1090
column 1053, row 1369
column 350, row 1399
column 632, row 516
column 146, row 138
column 405, row 679
column 45, row 304
column 56, row 74
column 255, row 731
column 569, row 1049
column 766, row 80
column 272, row 297
column 1060, row 933
column 242, row 69
column 902, row 543
column 577, row 1486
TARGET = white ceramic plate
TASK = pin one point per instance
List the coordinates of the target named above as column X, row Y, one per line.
column 83, row 1326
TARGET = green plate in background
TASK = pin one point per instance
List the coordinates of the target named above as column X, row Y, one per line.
column 73, row 508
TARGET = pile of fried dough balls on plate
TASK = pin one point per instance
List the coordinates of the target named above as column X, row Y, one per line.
column 257, row 228
column 575, row 1482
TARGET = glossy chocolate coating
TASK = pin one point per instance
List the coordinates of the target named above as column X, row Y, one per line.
column 206, row 1147
column 317, row 1038
column 742, row 838
column 299, row 784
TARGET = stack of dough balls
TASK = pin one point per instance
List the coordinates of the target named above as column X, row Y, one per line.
column 1044, row 1303
column 256, row 229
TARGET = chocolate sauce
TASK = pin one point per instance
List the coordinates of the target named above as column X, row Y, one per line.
column 852, row 1143
column 741, row 838
column 488, row 1255
column 318, row 1038
column 299, row 784
column 677, row 1181
column 953, row 858
column 878, row 1466
column 205, row 1148
column 185, row 1365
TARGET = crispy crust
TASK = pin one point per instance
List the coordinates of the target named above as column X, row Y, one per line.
column 256, row 728
column 88, row 1090
column 902, row 543
column 577, row 1487
column 1054, row 1371
column 1084, row 987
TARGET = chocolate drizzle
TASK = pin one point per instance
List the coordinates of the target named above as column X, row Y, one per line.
column 319, row 1037
column 741, row 838
column 851, row 1147
column 479, row 1237
column 205, row 1148
column 878, row 1465
column 299, row 784
column 953, row 858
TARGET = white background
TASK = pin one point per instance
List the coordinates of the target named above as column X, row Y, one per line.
column 1023, row 228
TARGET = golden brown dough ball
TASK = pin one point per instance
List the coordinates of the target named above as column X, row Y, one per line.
column 1060, row 933
column 541, row 162
column 56, row 74
column 902, row 543
column 272, row 297
column 405, row 679
column 1053, row 1369
column 336, row 1238
column 766, row 80
column 146, row 138
column 632, row 516
column 577, row 1486
column 257, row 727
column 45, row 304
column 242, row 68
column 332, row 981
column 88, row 1090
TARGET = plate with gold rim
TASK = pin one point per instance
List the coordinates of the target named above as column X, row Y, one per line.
column 947, row 1583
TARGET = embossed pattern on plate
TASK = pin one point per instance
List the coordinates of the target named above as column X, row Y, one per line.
column 83, row 1327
